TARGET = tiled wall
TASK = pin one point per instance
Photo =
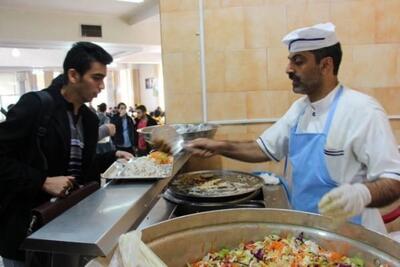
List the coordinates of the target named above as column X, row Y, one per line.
column 245, row 60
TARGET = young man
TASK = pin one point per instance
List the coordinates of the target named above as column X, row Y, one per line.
column 125, row 128
column 342, row 153
column 69, row 146
column 142, row 120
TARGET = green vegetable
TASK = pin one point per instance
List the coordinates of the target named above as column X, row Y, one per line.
column 357, row 261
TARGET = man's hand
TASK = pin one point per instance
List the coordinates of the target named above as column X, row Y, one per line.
column 203, row 147
column 123, row 155
column 58, row 185
column 345, row 201
column 111, row 129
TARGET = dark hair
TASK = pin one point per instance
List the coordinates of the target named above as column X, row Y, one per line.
column 82, row 55
column 142, row 108
column 120, row 104
column 102, row 107
column 334, row 51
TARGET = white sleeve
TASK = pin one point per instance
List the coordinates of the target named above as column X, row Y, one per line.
column 274, row 141
column 375, row 145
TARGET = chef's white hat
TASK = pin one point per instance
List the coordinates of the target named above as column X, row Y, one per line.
column 311, row 38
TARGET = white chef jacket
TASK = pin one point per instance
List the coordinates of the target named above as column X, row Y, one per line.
column 360, row 144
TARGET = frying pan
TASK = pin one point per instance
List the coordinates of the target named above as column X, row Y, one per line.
column 232, row 185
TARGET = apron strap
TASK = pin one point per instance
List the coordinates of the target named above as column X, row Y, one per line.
column 332, row 110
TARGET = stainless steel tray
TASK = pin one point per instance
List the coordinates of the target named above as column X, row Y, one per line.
column 115, row 171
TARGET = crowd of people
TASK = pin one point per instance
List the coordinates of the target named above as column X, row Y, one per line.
column 118, row 127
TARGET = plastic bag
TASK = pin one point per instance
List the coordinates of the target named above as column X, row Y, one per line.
column 132, row 252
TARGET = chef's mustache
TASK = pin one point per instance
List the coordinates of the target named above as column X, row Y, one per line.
column 293, row 77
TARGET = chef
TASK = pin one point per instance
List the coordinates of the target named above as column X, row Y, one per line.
column 342, row 155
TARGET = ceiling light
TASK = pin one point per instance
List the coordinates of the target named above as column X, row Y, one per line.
column 131, row 1
column 15, row 52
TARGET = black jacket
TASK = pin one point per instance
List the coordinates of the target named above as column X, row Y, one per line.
column 150, row 122
column 21, row 178
column 118, row 138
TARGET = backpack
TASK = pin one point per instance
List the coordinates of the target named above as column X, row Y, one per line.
column 46, row 108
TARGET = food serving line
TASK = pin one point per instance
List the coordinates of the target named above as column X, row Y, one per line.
column 92, row 227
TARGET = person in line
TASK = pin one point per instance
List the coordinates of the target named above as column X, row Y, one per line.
column 125, row 130
column 142, row 120
column 68, row 146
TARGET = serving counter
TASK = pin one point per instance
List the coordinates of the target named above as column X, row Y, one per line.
column 91, row 228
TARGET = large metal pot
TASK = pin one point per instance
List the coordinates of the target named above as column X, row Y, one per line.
column 189, row 238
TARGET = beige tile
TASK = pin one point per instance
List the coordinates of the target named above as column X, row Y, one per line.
column 215, row 71
column 277, row 63
column 231, row 3
column 255, row 27
column 258, row 129
column 276, row 20
column 179, row 31
column 389, row 99
column 316, row 12
column 191, row 72
column 183, row 108
column 232, row 129
column 267, row 104
column 224, row 29
column 173, row 72
column 201, row 164
column 178, row 5
column 264, row 25
column 375, row 66
column 212, row 4
column 226, row 106
column 388, row 21
column 346, row 68
column 182, row 72
column 246, row 70
column 350, row 19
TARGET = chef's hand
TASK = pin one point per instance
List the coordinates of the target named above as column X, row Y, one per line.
column 58, row 185
column 123, row 155
column 345, row 201
column 203, row 147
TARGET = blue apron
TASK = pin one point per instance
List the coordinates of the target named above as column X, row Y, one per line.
column 310, row 175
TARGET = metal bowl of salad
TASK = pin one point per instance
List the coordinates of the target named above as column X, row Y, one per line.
column 267, row 237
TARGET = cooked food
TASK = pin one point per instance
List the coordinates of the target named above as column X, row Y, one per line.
column 144, row 167
column 214, row 184
column 276, row 251
column 161, row 157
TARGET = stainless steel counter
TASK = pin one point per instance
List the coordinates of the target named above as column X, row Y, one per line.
column 92, row 227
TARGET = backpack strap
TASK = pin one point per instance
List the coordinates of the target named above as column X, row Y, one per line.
column 46, row 108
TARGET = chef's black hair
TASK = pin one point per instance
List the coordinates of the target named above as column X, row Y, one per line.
column 82, row 55
column 334, row 51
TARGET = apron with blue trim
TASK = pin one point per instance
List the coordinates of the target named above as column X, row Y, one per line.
column 310, row 175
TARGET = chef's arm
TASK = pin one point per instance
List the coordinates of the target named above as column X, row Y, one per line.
column 248, row 151
column 384, row 191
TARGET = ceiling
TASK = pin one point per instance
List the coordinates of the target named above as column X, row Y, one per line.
column 110, row 7
column 49, row 54
column 39, row 58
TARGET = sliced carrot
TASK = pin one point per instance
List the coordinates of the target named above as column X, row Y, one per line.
column 334, row 256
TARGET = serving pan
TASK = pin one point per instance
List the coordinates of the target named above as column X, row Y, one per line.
column 223, row 185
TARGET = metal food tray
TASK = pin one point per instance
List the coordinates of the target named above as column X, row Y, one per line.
column 112, row 171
